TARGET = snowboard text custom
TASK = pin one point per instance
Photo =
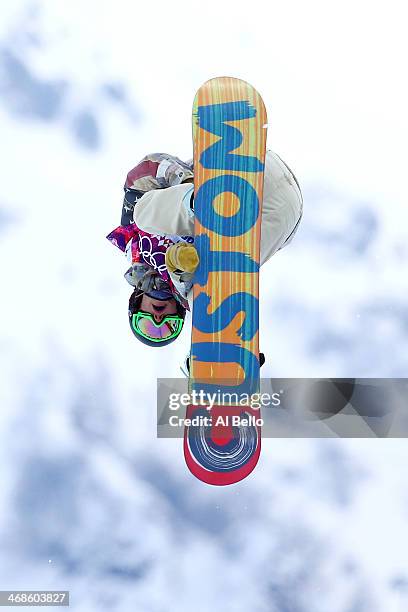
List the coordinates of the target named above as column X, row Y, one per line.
column 229, row 133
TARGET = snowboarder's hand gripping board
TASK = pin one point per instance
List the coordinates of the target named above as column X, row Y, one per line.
column 181, row 256
column 223, row 443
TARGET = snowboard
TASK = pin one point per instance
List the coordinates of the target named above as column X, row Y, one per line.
column 222, row 437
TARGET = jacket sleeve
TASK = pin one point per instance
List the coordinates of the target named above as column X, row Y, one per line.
column 281, row 208
column 166, row 211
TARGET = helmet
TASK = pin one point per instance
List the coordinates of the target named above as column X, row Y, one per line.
column 148, row 331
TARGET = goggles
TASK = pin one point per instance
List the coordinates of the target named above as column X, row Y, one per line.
column 169, row 327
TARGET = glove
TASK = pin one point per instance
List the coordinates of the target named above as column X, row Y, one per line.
column 181, row 256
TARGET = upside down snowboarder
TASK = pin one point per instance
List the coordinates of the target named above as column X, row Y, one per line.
column 157, row 235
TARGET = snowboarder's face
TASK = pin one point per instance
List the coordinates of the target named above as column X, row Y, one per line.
column 158, row 308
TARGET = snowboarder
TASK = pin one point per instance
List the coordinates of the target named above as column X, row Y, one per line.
column 157, row 235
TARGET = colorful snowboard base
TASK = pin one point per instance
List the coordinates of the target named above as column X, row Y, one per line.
column 229, row 134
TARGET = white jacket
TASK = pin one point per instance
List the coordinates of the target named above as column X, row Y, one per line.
column 168, row 211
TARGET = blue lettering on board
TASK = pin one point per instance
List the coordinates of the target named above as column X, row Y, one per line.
column 220, row 261
column 218, row 156
column 226, row 311
column 237, row 224
column 215, row 118
column 222, row 352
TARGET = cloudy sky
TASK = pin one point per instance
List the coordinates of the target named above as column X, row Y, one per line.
column 90, row 496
